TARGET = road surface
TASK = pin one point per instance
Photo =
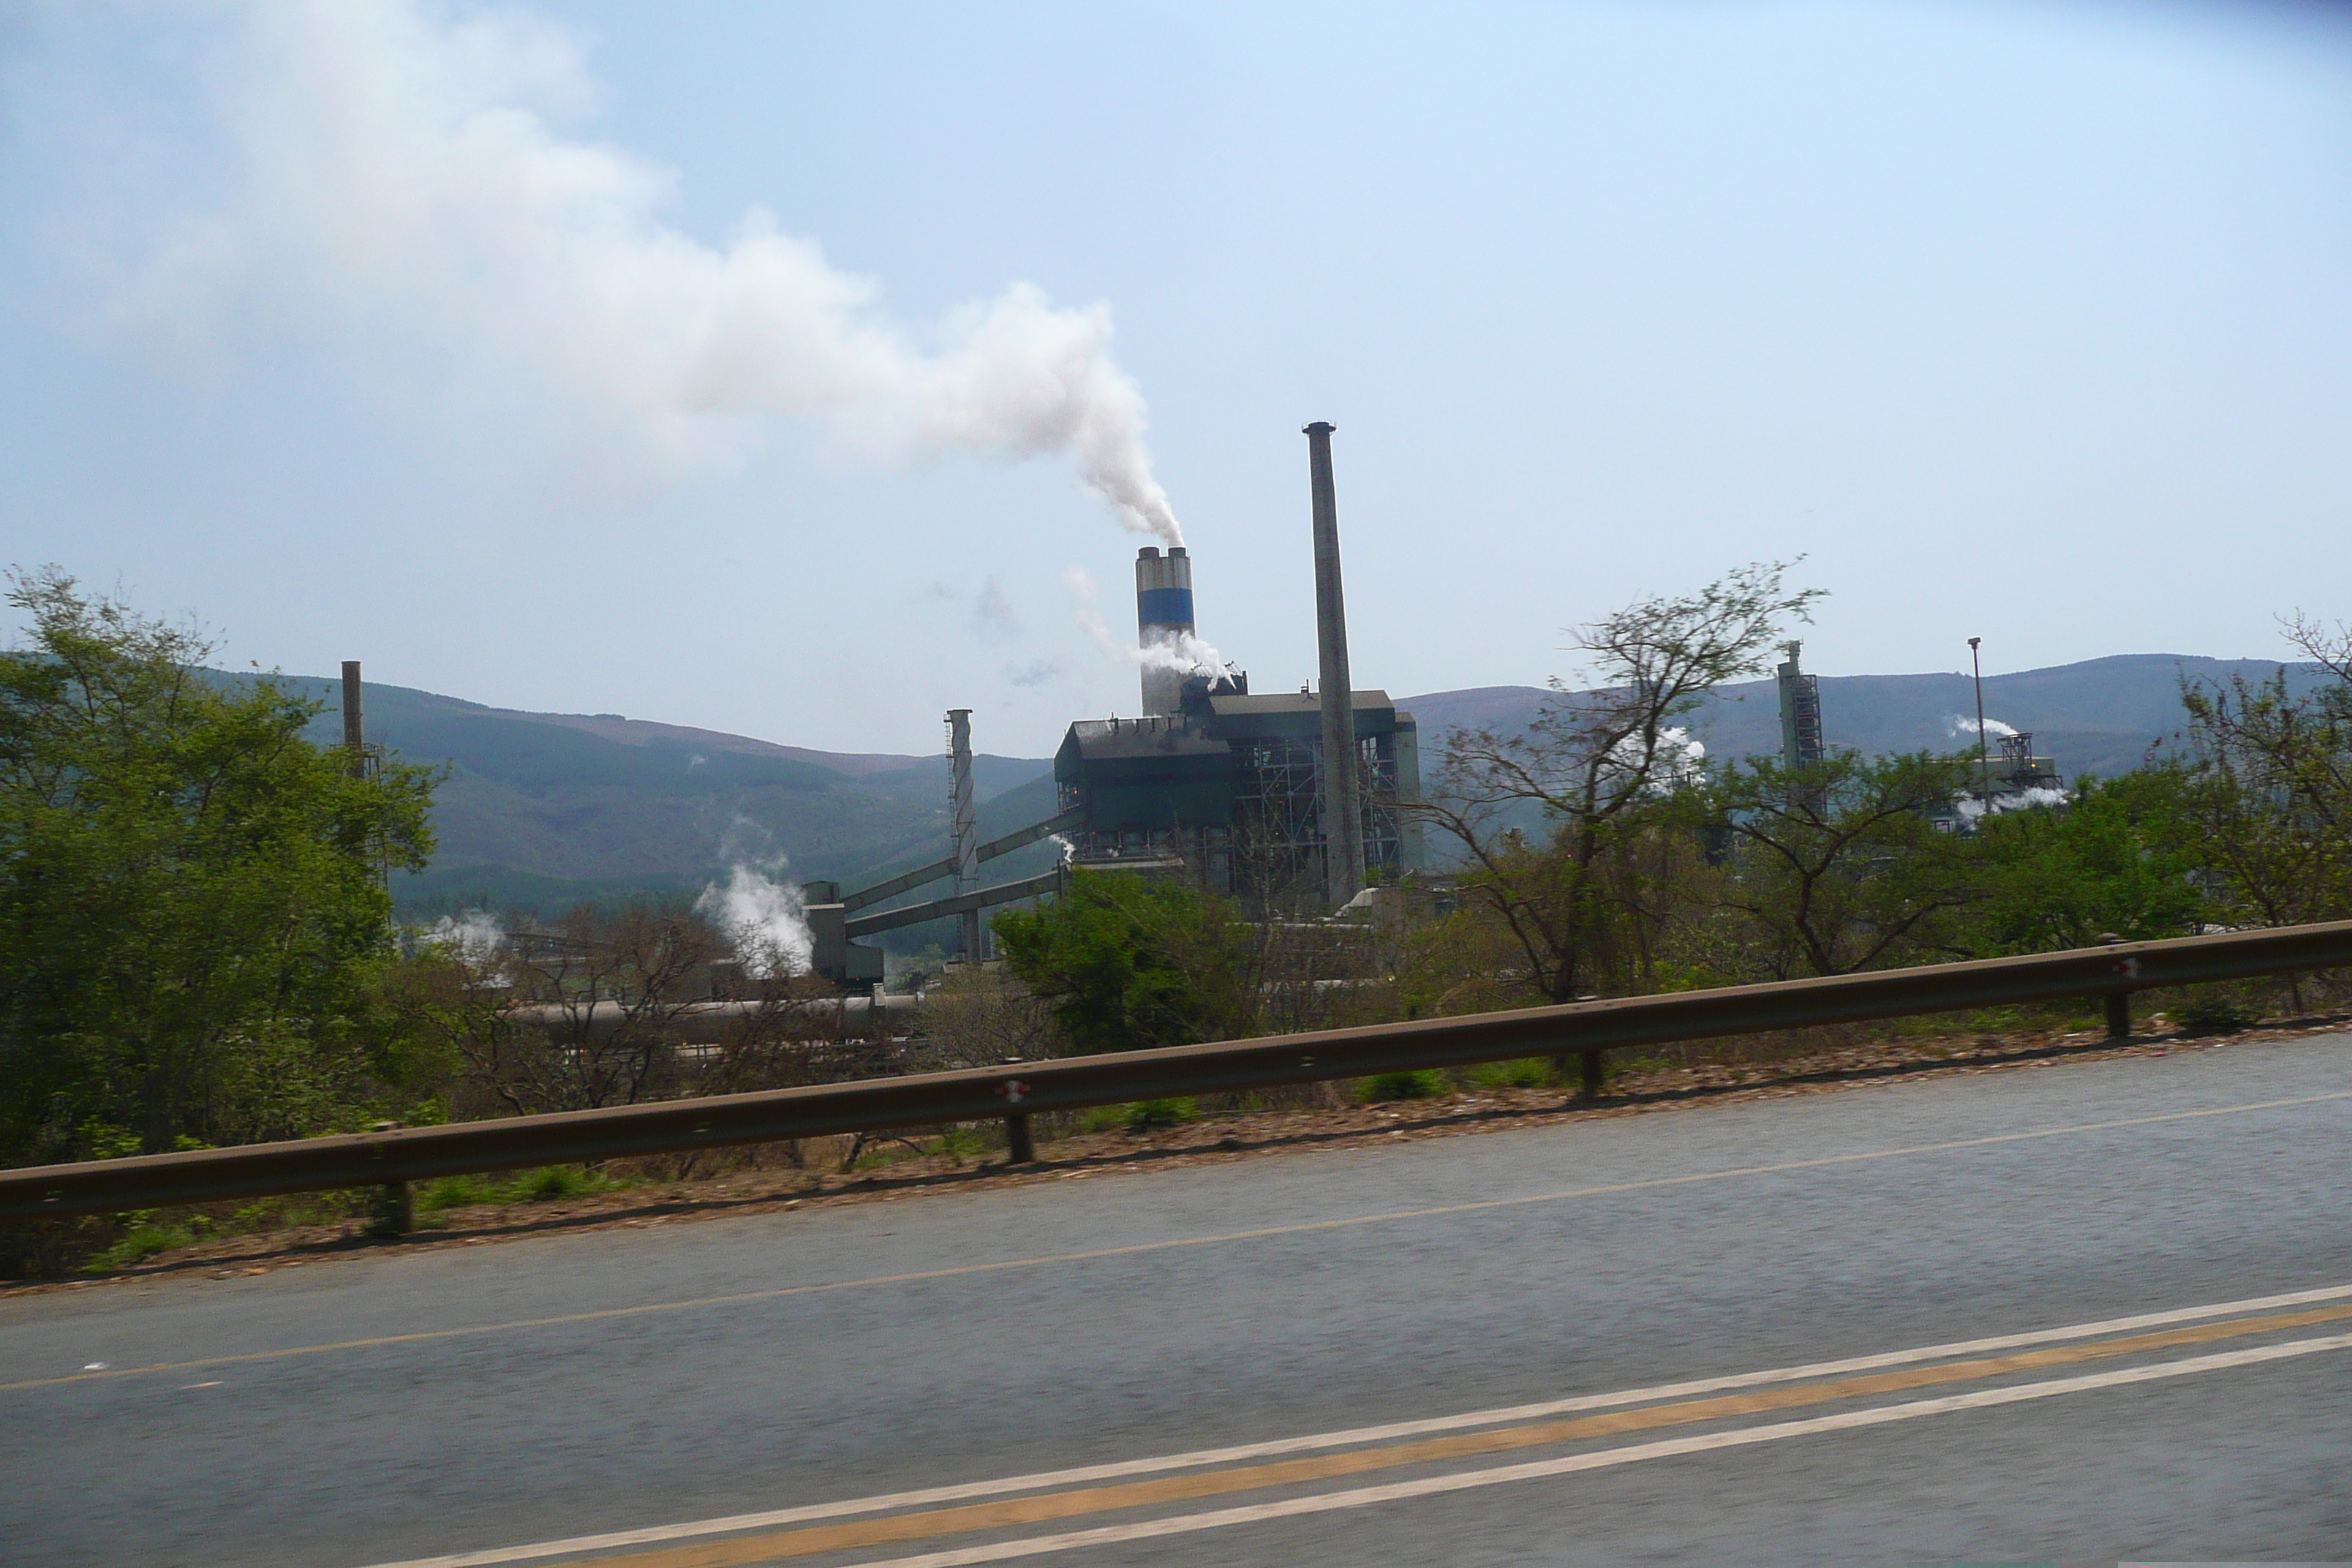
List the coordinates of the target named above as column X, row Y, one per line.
column 2088, row 1311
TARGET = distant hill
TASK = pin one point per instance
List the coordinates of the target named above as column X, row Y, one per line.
column 2102, row 716
column 544, row 810
column 539, row 811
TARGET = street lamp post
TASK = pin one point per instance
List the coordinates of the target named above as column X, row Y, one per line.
column 1984, row 742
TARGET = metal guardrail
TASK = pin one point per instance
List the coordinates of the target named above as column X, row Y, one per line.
column 1015, row 1091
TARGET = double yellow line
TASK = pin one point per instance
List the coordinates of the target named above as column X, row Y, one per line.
column 1012, row 1512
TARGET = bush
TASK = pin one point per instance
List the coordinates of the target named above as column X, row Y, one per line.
column 1123, row 962
column 140, row 1242
column 1149, row 1115
column 1423, row 1084
column 548, row 1182
column 2214, row 1013
column 454, row 1192
column 1528, row 1072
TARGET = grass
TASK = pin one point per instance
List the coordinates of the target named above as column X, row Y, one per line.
column 545, row 1185
column 962, row 1143
column 2214, row 1013
column 1426, row 1083
column 140, row 1242
column 1528, row 1072
column 1139, row 1116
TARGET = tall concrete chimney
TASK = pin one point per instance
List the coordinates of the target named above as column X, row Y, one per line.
column 963, row 834
column 1163, row 613
column 354, row 732
column 1343, row 819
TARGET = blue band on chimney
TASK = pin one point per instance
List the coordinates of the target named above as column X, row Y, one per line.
column 1164, row 607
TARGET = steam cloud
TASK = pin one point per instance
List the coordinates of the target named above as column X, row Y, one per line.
column 1972, row 809
column 1184, row 653
column 473, row 938
column 399, row 188
column 766, row 921
column 1679, row 760
column 1992, row 727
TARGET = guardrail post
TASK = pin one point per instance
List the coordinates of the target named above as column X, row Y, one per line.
column 1018, row 1149
column 393, row 1213
column 1589, row 1072
column 2119, row 1002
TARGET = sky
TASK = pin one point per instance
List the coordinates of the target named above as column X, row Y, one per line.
column 806, row 370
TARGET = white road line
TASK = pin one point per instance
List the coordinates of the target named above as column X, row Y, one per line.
column 1117, row 1469
column 1465, row 1480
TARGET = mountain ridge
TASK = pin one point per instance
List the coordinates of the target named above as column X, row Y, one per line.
column 546, row 809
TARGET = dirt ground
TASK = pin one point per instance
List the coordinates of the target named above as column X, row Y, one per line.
column 1644, row 1088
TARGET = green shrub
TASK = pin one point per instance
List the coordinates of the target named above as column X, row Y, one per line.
column 1148, row 1115
column 1528, row 1072
column 959, row 1142
column 1426, row 1083
column 454, row 1192
column 558, row 1182
column 141, row 1241
column 2214, row 1013
column 548, row 1182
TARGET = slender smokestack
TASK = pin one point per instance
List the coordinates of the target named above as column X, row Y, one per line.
column 354, row 733
column 1343, row 822
column 1163, row 613
column 964, row 835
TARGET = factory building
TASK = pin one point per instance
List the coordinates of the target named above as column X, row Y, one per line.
column 1227, row 788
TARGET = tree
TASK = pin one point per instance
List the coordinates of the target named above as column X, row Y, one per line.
column 1837, row 866
column 1125, row 963
column 2119, row 859
column 192, row 912
column 1569, row 827
column 2268, row 792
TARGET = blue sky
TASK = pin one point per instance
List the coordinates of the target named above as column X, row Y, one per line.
column 2032, row 323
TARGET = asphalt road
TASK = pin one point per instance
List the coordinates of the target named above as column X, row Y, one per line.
column 2127, row 1228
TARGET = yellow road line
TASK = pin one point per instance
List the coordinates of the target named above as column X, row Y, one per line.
column 1004, row 1513
column 609, row 1314
column 1466, row 1481
column 1116, row 1469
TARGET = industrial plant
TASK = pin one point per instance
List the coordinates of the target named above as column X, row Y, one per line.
column 1226, row 788
column 1293, row 804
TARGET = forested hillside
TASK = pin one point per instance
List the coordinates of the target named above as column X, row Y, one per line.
column 540, row 810
column 2103, row 716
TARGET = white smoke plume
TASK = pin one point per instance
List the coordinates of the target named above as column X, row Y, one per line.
column 1184, row 652
column 2040, row 796
column 473, row 938
column 1682, row 755
column 400, row 191
column 1680, row 759
column 1993, row 728
column 765, row 921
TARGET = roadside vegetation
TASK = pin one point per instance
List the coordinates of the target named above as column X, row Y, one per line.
column 197, row 937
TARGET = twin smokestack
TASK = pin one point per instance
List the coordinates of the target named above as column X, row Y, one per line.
column 1164, row 615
